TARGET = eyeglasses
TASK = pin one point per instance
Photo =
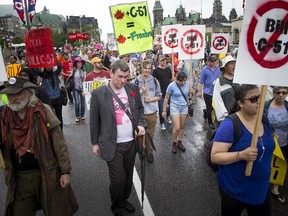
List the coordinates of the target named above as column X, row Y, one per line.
column 253, row 99
column 280, row 92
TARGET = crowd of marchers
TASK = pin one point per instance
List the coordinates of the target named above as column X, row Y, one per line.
column 143, row 89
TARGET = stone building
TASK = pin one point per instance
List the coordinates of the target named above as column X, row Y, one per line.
column 179, row 18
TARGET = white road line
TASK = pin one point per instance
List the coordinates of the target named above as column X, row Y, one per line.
column 147, row 210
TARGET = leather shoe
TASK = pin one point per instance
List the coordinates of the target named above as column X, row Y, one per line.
column 181, row 146
column 129, row 207
column 174, row 148
column 150, row 157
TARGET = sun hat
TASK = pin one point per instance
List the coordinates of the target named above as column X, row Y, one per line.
column 226, row 60
column 78, row 59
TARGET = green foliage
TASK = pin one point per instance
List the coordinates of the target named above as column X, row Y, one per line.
column 18, row 40
column 59, row 39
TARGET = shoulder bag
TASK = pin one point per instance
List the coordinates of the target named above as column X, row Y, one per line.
column 148, row 141
column 190, row 103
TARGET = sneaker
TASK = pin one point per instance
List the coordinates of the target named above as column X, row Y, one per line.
column 163, row 126
column 77, row 120
column 168, row 120
column 82, row 118
column 211, row 126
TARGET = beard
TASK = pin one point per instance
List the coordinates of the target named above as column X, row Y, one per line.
column 17, row 106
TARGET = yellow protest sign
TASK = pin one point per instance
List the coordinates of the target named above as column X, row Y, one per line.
column 278, row 165
column 13, row 70
column 132, row 27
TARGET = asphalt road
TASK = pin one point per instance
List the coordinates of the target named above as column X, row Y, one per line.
column 176, row 184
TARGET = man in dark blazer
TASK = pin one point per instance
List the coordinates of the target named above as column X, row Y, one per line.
column 113, row 134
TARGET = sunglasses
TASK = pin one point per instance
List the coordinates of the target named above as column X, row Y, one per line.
column 253, row 99
column 280, row 92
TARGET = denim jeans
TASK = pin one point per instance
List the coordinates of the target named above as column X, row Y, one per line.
column 160, row 107
column 79, row 103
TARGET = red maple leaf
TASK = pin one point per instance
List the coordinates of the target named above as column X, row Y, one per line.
column 119, row 14
column 121, row 39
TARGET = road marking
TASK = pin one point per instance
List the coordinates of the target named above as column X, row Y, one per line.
column 147, row 210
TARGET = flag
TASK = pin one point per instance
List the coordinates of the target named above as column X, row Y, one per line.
column 31, row 9
column 18, row 5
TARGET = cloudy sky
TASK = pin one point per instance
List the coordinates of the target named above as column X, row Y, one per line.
column 100, row 8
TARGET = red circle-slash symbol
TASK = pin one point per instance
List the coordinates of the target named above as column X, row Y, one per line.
column 259, row 57
column 195, row 34
column 169, row 41
column 219, row 43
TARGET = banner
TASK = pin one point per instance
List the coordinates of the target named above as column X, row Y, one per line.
column 88, row 87
column 18, row 5
column 132, row 27
column 39, row 47
column 191, row 42
column 31, row 9
column 170, row 38
column 219, row 43
column 278, row 165
column 263, row 50
column 78, row 36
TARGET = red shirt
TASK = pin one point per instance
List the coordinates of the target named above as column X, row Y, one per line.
column 93, row 76
column 67, row 66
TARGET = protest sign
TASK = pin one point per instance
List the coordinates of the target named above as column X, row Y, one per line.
column 263, row 50
column 192, row 42
column 88, row 87
column 78, row 36
column 170, row 38
column 132, row 27
column 39, row 47
column 157, row 40
column 219, row 43
column 111, row 41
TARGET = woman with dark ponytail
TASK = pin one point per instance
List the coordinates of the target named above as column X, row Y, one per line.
column 237, row 191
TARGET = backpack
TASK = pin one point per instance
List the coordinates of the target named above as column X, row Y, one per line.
column 237, row 134
column 155, row 82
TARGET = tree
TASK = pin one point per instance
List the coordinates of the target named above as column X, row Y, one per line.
column 18, row 40
column 59, row 39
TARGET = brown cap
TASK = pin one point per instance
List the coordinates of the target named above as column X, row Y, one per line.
column 16, row 84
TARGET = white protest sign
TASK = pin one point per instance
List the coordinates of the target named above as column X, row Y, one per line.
column 170, row 38
column 3, row 76
column 191, row 42
column 158, row 39
column 111, row 41
column 89, row 86
column 219, row 43
column 263, row 50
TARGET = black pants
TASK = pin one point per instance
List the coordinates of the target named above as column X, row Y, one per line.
column 121, row 174
column 209, row 108
column 233, row 207
column 69, row 93
column 57, row 105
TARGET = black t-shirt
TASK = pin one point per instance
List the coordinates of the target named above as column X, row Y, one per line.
column 164, row 77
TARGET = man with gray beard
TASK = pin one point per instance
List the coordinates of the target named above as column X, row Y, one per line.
column 35, row 153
